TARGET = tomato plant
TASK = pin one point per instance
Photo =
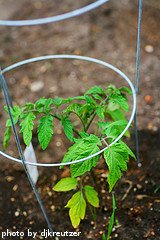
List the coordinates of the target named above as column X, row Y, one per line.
column 101, row 116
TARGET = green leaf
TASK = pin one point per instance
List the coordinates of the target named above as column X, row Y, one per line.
column 128, row 150
column 45, row 130
column 90, row 100
column 84, row 134
column 78, row 98
column 87, row 110
column 120, row 100
column 112, row 106
column 111, row 88
column 98, row 97
column 112, row 129
column 79, row 169
column 67, row 126
column 60, row 101
column 116, row 158
column 65, row 184
column 111, row 222
column 104, row 236
column 100, row 111
column 29, row 106
column 77, row 207
column 16, row 112
column 74, row 107
column 27, row 125
column 44, row 105
column 7, row 137
column 116, row 124
column 82, row 148
column 92, row 196
column 95, row 90
column 116, row 114
column 125, row 90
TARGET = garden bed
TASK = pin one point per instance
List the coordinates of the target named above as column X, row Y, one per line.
column 138, row 192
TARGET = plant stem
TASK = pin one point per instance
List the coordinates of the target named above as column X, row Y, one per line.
column 81, row 121
column 94, row 114
column 91, row 120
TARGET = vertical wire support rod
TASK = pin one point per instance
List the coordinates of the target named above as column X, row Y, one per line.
column 137, row 77
column 9, row 103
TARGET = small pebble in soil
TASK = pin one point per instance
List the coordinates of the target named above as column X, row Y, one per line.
column 37, row 86
column 149, row 48
column 101, row 232
column 14, row 227
column 72, row 76
column 139, row 165
column 105, row 209
column 89, row 236
column 53, row 208
column 25, row 81
column 43, row 69
column 141, row 196
column 15, row 187
column 92, row 222
column 104, row 175
column 16, row 213
column 134, row 189
column 49, row 193
column 59, row 131
column 25, row 213
column 148, row 99
column 116, row 235
column 58, row 144
column 12, row 199
column 138, row 220
column 9, row 178
column 53, row 89
column 139, row 186
column 103, row 191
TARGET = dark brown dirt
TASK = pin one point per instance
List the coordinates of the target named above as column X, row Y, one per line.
column 108, row 33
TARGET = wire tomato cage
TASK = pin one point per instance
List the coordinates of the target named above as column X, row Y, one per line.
column 88, row 59
column 53, row 19
column 8, row 100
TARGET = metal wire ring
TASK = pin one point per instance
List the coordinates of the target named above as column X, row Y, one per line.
column 84, row 58
column 57, row 18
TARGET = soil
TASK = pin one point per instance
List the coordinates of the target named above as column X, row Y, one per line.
column 108, row 33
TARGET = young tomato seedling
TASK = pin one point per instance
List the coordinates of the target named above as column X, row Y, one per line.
column 100, row 114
